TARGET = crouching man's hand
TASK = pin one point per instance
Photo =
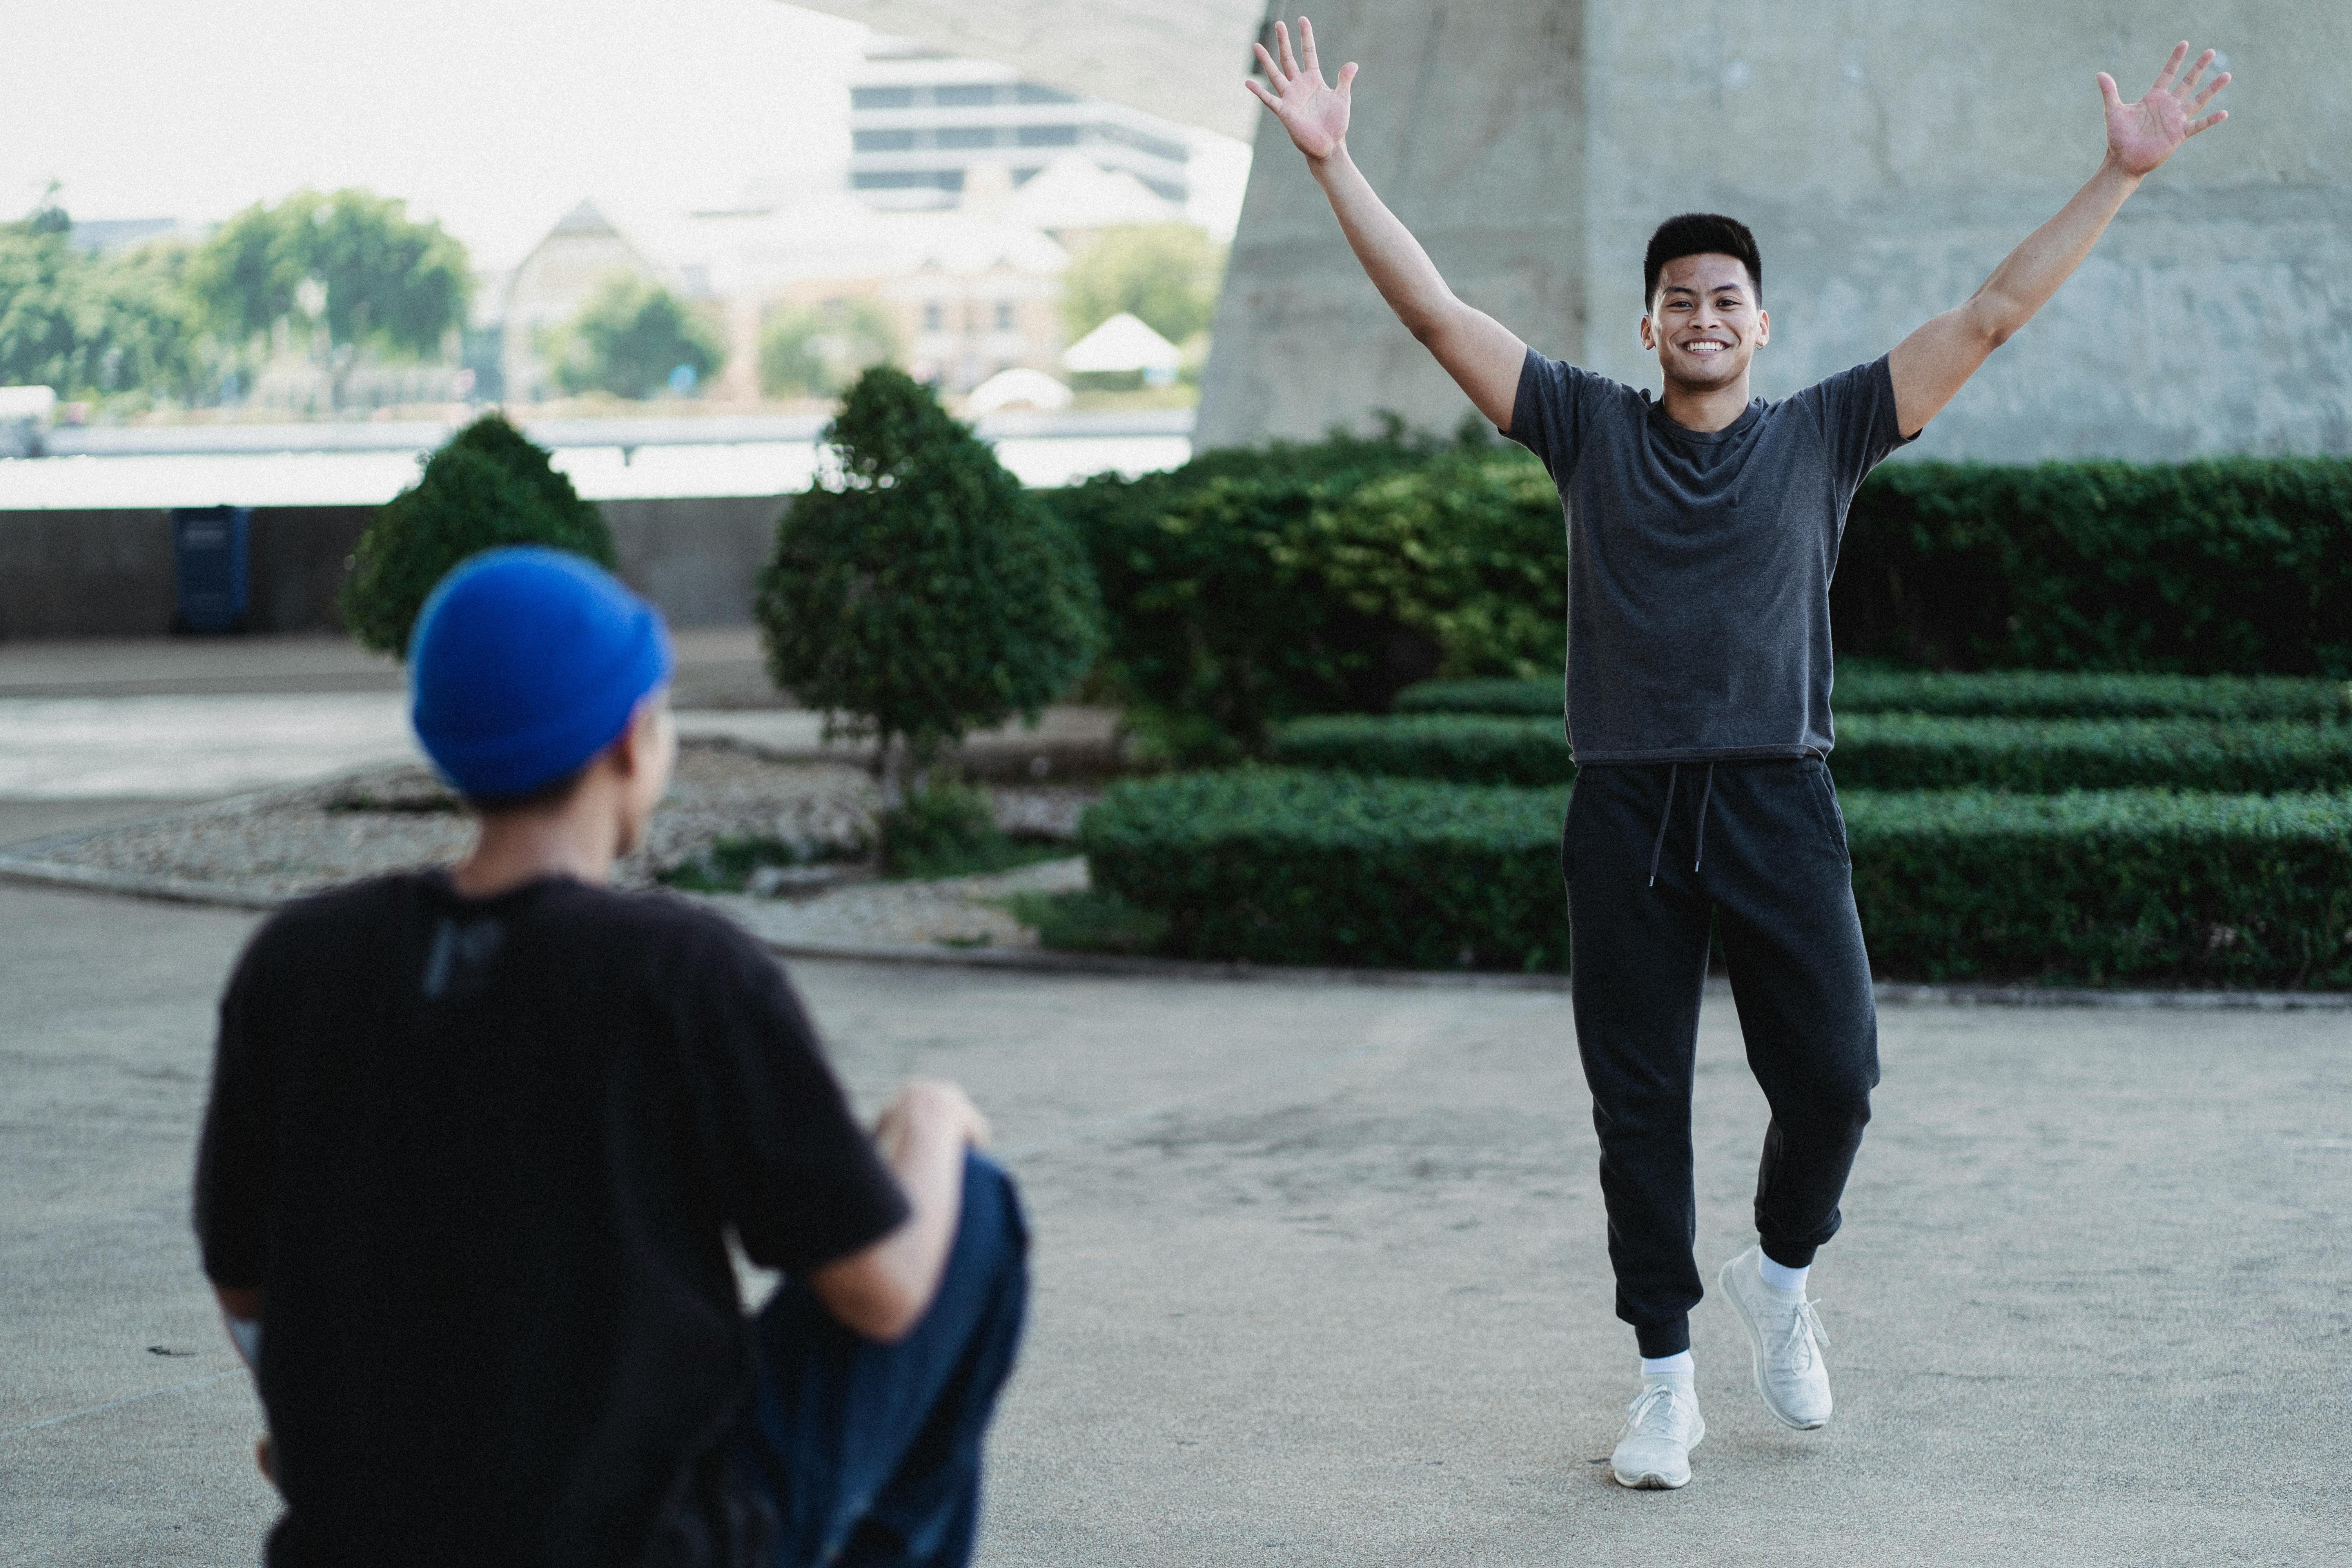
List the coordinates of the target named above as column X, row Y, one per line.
column 883, row 1292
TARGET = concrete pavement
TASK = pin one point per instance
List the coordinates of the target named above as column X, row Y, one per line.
column 1320, row 1276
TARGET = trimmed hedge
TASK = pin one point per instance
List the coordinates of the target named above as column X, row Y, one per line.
column 2236, row 564
column 1278, row 865
column 1281, row 866
column 1530, row 698
column 1876, row 751
column 1457, row 748
column 1868, row 686
column 2043, row 756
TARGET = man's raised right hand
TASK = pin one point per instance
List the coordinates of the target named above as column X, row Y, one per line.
column 1314, row 111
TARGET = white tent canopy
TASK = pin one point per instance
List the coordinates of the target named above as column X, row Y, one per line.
column 1120, row 344
column 1018, row 384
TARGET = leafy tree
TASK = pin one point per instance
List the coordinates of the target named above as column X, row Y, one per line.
column 486, row 487
column 630, row 337
column 817, row 352
column 1165, row 273
column 925, row 594
column 388, row 282
column 43, row 300
column 92, row 325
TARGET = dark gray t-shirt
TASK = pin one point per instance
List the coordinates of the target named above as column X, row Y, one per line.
column 1699, row 561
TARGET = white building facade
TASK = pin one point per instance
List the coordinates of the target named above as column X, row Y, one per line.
column 919, row 120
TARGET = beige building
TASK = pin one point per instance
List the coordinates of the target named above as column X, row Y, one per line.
column 547, row 288
column 966, row 295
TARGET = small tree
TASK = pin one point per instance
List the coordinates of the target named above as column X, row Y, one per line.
column 1164, row 274
column 925, row 594
column 488, row 486
column 818, row 352
column 631, row 337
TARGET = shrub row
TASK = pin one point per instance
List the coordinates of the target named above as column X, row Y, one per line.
column 1279, row 866
column 2239, row 564
column 1868, row 686
column 1875, row 751
column 1282, row 866
column 1249, row 587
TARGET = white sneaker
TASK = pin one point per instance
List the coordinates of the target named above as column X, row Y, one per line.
column 1662, row 1426
column 1787, row 1339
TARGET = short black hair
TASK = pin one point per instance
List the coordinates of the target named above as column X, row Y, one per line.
column 1699, row 233
column 546, row 796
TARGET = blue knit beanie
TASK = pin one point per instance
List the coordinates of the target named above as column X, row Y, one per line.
column 526, row 662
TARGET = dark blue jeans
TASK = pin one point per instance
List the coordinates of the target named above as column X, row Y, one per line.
column 870, row 1453
column 1757, row 850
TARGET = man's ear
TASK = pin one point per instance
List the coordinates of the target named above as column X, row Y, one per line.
column 1763, row 327
column 633, row 748
column 1649, row 337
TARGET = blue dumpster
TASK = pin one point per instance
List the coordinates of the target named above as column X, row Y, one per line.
column 209, row 546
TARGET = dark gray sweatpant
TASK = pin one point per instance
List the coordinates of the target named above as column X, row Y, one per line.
column 1768, row 848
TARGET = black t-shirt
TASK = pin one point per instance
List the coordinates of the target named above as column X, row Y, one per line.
column 1700, row 561
column 482, row 1156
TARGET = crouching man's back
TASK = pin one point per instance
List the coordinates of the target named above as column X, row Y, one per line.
column 466, row 1178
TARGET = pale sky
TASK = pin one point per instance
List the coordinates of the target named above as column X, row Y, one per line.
column 494, row 116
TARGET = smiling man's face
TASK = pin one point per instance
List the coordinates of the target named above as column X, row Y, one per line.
column 1705, row 322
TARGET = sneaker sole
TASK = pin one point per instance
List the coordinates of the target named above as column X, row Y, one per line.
column 1658, row 1481
column 1650, row 1481
column 1756, row 1354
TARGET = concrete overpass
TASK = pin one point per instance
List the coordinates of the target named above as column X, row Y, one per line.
column 1886, row 159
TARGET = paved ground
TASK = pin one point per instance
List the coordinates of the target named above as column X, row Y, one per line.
column 1320, row 1276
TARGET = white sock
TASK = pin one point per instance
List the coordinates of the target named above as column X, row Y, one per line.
column 1678, row 1366
column 1779, row 1276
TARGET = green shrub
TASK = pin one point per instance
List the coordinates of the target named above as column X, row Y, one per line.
column 2241, row 564
column 2138, row 887
column 924, row 594
column 1461, row 748
column 949, row 830
column 1488, row 696
column 1285, row 867
column 1863, row 686
column 1868, row 686
column 1901, row 751
column 1875, row 751
column 1252, row 587
column 487, row 487
column 1279, row 866
column 1088, row 921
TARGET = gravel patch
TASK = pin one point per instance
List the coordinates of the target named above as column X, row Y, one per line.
column 297, row 841
column 956, row 911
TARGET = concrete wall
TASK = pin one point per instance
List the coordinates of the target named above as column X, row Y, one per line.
column 1887, row 158
column 1468, row 120
column 109, row 574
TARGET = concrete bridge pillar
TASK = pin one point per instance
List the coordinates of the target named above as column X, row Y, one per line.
column 1888, row 159
column 1469, row 121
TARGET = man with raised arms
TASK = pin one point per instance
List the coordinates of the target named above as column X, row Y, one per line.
column 1703, row 527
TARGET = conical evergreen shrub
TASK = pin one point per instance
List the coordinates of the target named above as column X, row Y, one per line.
column 488, row 486
column 921, row 593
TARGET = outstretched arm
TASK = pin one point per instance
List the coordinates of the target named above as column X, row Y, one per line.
column 1933, row 364
column 1480, row 353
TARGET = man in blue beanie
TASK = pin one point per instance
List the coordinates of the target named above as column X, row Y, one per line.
column 477, row 1140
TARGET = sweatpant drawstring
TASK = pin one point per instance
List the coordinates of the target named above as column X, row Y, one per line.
column 1706, row 795
column 1663, row 817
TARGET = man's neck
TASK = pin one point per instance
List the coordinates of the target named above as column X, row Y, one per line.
column 1706, row 409
column 517, row 848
